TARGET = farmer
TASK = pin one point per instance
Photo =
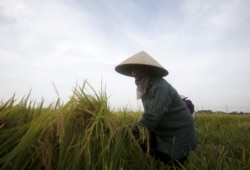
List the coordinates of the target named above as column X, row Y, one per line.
column 189, row 104
column 170, row 125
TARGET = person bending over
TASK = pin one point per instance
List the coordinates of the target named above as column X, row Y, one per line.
column 166, row 117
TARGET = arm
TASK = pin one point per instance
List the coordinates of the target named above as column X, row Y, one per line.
column 155, row 105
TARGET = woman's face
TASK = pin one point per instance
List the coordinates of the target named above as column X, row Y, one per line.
column 139, row 72
column 135, row 71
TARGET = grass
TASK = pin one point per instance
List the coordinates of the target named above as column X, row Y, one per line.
column 223, row 142
column 85, row 134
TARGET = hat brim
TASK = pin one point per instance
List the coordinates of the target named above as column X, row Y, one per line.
column 125, row 69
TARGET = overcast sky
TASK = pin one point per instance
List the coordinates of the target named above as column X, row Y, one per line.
column 205, row 46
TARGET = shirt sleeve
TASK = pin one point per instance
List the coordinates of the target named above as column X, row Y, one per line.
column 155, row 105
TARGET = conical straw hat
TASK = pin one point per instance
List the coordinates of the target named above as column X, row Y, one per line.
column 182, row 96
column 141, row 59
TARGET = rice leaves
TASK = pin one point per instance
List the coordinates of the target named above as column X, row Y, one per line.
column 85, row 134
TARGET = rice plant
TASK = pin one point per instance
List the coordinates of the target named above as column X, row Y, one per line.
column 81, row 134
column 85, row 134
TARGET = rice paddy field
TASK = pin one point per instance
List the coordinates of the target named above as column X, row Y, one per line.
column 85, row 133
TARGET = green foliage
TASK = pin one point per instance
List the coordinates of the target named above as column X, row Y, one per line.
column 223, row 142
column 82, row 134
column 85, row 134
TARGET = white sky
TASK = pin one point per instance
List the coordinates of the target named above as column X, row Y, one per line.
column 204, row 45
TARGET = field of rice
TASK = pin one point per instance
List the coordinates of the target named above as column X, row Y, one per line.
column 85, row 133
